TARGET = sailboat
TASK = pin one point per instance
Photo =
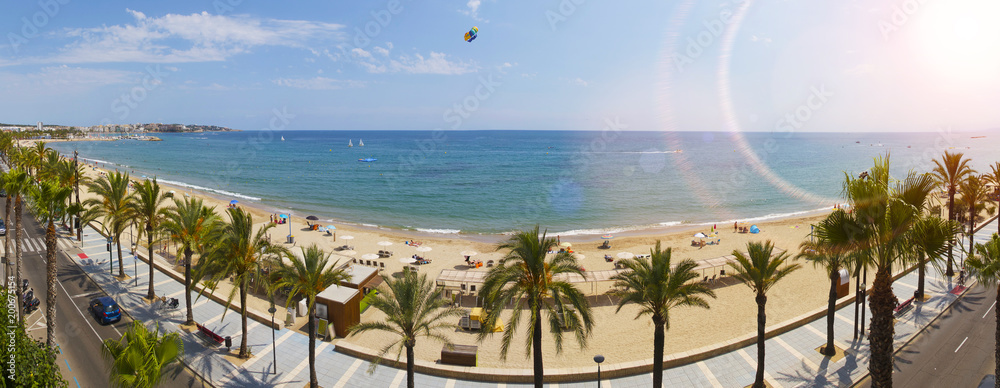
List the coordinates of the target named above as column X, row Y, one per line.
column 349, row 143
column 282, row 138
column 361, row 143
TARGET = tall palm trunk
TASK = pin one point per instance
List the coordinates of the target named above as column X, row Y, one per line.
column 409, row 364
column 758, row 381
column 76, row 187
column 8, row 269
column 244, row 353
column 857, row 298
column 658, row 338
column 50, row 278
column 121, row 267
column 187, row 286
column 150, row 294
column 882, row 330
column 17, row 250
column 831, row 309
column 536, row 342
column 313, row 382
column 951, row 238
column 921, row 271
column 972, row 231
column 996, row 348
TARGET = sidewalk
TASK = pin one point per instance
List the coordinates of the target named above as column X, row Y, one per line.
column 791, row 357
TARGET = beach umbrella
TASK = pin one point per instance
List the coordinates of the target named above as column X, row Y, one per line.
column 347, row 237
column 424, row 249
column 384, row 243
column 283, row 216
column 369, row 256
column 607, row 237
column 469, row 253
column 407, row 260
column 700, row 235
column 331, row 227
column 233, row 202
column 625, row 255
column 566, row 245
column 312, row 218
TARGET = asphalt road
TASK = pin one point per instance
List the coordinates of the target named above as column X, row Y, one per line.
column 79, row 335
column 956, row 350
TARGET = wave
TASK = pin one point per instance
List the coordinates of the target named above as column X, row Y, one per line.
column 442, row 231
column 196, row 187
column 603, row 231
column 639, row 152
column 767, row 217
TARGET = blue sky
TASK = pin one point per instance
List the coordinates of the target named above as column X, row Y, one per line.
column 553, row 64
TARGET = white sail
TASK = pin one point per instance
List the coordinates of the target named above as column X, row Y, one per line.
column 361, row 143
column 282, row 138
column 349, row 143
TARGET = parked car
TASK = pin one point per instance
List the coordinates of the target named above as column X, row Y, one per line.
column 105, row 310
column 3, row 228
column 3, row 193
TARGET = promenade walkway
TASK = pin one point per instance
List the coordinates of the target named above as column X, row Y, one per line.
column 791, row 357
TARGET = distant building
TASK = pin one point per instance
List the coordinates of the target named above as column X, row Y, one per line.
column 39, row 125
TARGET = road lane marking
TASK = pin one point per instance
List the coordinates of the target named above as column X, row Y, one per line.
column 399, row 379
column 990, row 309
column 960, row 345
column 67, row 365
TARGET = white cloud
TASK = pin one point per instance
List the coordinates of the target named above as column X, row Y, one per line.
column 199, row 37
column 505, row 66
column 578, row 81
column 63, row 78
column 318, row 83
column 436, row 63
column 473, row 10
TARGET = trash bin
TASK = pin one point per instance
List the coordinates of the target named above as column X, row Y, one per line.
column 229, row 341
column 291, row 239
column 302, row 308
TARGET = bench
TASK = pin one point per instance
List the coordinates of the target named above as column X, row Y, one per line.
column 210, row 334
column 464, row 355
column 899, row 310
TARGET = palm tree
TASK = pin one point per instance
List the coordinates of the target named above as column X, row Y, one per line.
column 949, row 172
column 880, row 229
column 986, row 269
column 760, row 270
column 523, row 278
column 657, row 288
column 47, row 202
column 821, row 253
column 190, row 223
column 17, row 184
column 238, row 253
column 974, row 197
column 994, row 179
column 147, row 208
column 413, row 308
column 4, row 177
column 138, row 358
column 113, row 203
column 70, row 174
column 929, row 241
column 307, row 277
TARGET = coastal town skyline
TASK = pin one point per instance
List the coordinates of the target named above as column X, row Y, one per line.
column 570, row 65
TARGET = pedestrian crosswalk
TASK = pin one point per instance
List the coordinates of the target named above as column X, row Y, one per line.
column 35, row 244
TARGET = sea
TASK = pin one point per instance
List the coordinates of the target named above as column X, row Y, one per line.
column 496, row 182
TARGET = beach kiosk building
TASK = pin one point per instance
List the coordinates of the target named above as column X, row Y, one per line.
column 341, row 304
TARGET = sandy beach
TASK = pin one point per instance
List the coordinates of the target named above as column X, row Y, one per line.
column 618, row 336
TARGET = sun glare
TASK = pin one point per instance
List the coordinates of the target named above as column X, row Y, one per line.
column 961, row 38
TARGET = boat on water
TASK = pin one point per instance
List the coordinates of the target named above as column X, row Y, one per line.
column 282, row 138
column 367, row 160
column 361, row 143
column 857, row 142
column 349, row 143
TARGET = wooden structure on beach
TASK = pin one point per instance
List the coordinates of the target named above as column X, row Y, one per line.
column 341, row 304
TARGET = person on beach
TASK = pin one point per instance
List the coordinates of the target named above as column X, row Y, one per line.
column 736, row 226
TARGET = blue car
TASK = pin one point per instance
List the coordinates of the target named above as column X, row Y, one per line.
column 105, row 310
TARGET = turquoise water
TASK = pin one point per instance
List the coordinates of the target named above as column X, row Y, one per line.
column 486, row 182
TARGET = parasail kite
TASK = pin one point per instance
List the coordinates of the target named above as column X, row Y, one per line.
column 471, row 35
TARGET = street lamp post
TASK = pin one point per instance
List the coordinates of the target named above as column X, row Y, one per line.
column 598, row 359
column 272, row 310
column 135, row 266
column 111, row 256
